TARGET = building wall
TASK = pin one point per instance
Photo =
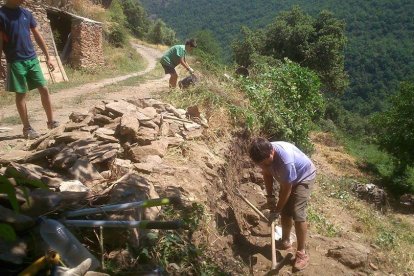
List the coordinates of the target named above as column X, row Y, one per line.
column 87, row 44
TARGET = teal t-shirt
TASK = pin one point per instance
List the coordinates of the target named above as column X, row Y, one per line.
column 173, row 55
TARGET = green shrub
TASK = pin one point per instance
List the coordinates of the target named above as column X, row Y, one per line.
column 284, row 100
column 117, row 36
column 160, row 33
column 136, row 17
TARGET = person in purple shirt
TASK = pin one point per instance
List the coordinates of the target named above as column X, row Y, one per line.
column 295, row 172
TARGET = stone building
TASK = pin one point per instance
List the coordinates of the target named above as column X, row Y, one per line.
column 80, row 39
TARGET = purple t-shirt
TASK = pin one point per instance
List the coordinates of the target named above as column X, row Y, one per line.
column 291, row 165
column 15, row 25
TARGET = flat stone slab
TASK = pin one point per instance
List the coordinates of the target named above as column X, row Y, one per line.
column 103, row 153
column 129, row 124
column 121, row 107
column 84, row 171
column 68, row 137
column 140, row 153
column 34, row 172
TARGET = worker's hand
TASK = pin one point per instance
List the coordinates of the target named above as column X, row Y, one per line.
column 50, row 65
column 2, row 71
column 191, row 70
column 273, row 216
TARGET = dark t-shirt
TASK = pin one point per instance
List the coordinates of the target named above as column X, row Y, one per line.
column 15, row 25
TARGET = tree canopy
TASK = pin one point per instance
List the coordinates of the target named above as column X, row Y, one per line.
column 395, row 126
column 317, row 43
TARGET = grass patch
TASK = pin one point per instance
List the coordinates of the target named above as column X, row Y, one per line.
column 157, row 73
column 322, row 225
column 11, row 120
column 118, row 62
column 370, row 157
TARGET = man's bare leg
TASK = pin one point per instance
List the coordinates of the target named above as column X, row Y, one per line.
column 46, row 102
column 173, row 80
column 301, row 232
column 302, row 259
column 287, row 224
column 22, row 109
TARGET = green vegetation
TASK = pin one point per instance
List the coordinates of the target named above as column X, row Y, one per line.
column 118, row 61
column 317, row 43
column 174, row 250
column 379, row 53
column 207, row 45
column 284, row 100
column 159, row 33
column 7, row 233
column 395, row 135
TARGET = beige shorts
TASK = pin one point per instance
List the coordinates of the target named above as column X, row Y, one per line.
column 298, row 201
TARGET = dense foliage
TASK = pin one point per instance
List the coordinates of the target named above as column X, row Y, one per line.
column 317, row 43
column 395, row 126
column 395, row 133
column 207, row 44
column 379, row 53
column 130, row 16
column 136, row 17
column 284, row 99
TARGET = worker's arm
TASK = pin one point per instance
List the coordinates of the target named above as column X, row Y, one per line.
column 284, row 194
column 268, row 180
column 2, row 70
column 186, row 66
column 41, row 42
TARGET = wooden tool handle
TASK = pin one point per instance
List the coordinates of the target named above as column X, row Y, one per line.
column 274, row 263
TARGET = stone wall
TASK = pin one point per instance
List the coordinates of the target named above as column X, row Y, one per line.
column 87, row 44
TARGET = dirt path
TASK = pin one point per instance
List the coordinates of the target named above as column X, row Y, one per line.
column 81, row 98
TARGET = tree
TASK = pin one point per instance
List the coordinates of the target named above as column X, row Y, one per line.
column 160, row 33
column 116, row 12
column 207, row 43
column 316, row 43
column 395, row 127
column 136, row 17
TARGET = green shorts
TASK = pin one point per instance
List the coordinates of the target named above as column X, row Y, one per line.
column 23, row 76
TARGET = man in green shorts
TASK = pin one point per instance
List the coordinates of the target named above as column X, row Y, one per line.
column 174, row 56
column 295, row 172
column 23, row 68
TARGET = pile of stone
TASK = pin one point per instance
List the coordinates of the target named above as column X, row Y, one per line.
column 107, row 151
column 114, row 137
column 371, row 193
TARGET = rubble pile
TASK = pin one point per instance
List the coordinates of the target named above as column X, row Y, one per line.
column 108, row 151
